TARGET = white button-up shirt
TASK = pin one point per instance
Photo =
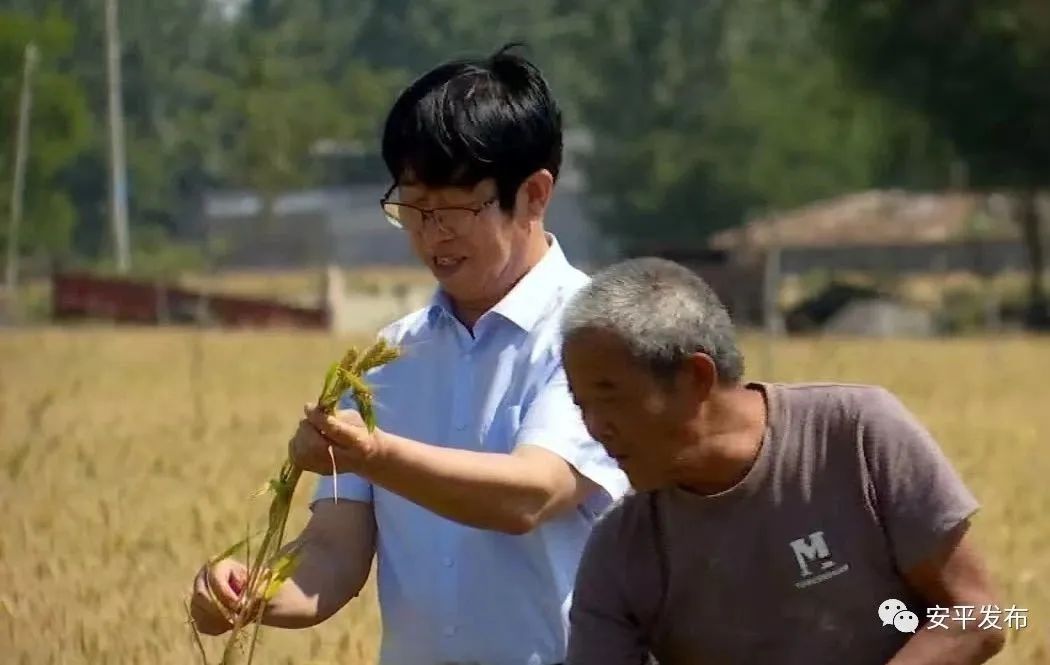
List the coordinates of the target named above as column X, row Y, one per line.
column 454, row 593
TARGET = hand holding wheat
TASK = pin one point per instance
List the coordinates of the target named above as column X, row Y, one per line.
column 258, row 582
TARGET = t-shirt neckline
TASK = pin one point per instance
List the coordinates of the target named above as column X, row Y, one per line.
column 759, row 471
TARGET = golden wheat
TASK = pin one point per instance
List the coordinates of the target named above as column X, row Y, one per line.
column 126, row 458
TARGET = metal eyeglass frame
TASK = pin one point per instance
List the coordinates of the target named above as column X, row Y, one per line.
column 429, row 213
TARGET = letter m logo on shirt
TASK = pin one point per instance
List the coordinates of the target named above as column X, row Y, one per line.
column 812, row 550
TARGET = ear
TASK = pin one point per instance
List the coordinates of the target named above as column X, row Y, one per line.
column 700, row 375
column 535, row 194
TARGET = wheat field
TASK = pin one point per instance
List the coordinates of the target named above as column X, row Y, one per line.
column 129, row 456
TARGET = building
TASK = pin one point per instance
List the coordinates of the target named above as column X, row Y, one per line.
column 879, row 232
column 890, row 231
column 344, row 225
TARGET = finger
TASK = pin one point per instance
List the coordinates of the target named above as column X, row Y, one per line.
column 205, row 606
column 309, row 451
column 207, row 614
column 317, row 418
column 350, row 417
column 319, row 437
column 339, row 435
column 219, row 585
column 309, row 438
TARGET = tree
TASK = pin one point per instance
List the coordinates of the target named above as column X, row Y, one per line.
column 978, row 70
column 655, row 79
column 706, row 113
column 796, row 126
column 161, row 44
column 281, row 83
column 59, row 123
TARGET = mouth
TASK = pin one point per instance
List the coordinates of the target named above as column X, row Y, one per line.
column 443, row 266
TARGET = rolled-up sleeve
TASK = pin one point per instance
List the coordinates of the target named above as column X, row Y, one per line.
column 348, row 486
column 553, row 422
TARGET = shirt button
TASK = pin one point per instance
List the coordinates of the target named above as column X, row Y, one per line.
column 450, row 631
column 447, row 561
column 461, row 426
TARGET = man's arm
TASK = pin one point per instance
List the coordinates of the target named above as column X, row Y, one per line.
column 602, row 628
column 554, row 465
column 509, row 492
column 338, row 545
column 954, row 576
column 926, row 509
column 513, row 493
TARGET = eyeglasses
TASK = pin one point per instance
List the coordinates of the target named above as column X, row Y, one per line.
column 455, row 220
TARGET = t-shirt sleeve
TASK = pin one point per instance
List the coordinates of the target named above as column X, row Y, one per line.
column 553, row 422
column 602, row 627
column 918, row 492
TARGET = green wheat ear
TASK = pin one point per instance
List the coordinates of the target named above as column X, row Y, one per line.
column 330, row 392
column 380, row 353
column 349, row 359
column 270, row 568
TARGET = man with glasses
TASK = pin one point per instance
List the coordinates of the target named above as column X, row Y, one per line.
column 481, row 486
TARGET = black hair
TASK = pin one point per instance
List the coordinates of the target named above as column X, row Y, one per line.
column 472, row 119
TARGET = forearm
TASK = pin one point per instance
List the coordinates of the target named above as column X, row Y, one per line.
column 949, row 647
column 320, row 586
column 486, row 490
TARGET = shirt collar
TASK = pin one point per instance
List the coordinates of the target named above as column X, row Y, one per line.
column 525, row 303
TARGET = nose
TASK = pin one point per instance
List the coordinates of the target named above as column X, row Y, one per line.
column 433, row 230
column 598, row 427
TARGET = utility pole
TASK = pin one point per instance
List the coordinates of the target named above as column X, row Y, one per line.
column 118, row 189
column 25, row 105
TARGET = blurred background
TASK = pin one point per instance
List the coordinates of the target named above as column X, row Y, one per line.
column 190, row 231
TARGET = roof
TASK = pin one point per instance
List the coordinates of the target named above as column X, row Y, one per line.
column 878, row 217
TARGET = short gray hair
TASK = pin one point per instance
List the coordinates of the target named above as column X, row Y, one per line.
column 662, row 311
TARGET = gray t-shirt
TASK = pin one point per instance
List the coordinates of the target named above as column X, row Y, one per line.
column 790, row 565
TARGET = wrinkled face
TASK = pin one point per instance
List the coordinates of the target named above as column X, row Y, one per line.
column 643, row 422
column 474, row 249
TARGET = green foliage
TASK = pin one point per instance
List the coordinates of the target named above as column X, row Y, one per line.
column 978, row 72
column 796, row 126
column 657, row 80
column 702, row 114
column 58, row 129
column 976, row 69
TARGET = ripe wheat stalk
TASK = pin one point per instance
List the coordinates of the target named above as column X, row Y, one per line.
column 273, row 563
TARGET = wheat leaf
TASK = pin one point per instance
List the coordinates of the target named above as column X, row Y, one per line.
column 230, row 551
column 284, row 568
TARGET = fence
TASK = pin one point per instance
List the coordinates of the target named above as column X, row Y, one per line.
column 81, row 295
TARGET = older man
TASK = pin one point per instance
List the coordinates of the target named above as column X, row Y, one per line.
column 792, row 524
column 480, row 488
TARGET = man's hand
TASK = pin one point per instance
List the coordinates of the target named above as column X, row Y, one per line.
column 217, row 594
column 342, row 436
column 335, row 556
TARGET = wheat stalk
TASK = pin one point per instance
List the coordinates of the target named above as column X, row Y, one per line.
column 273, row 563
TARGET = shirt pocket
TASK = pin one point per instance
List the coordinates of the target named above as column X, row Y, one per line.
column 502, row 430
